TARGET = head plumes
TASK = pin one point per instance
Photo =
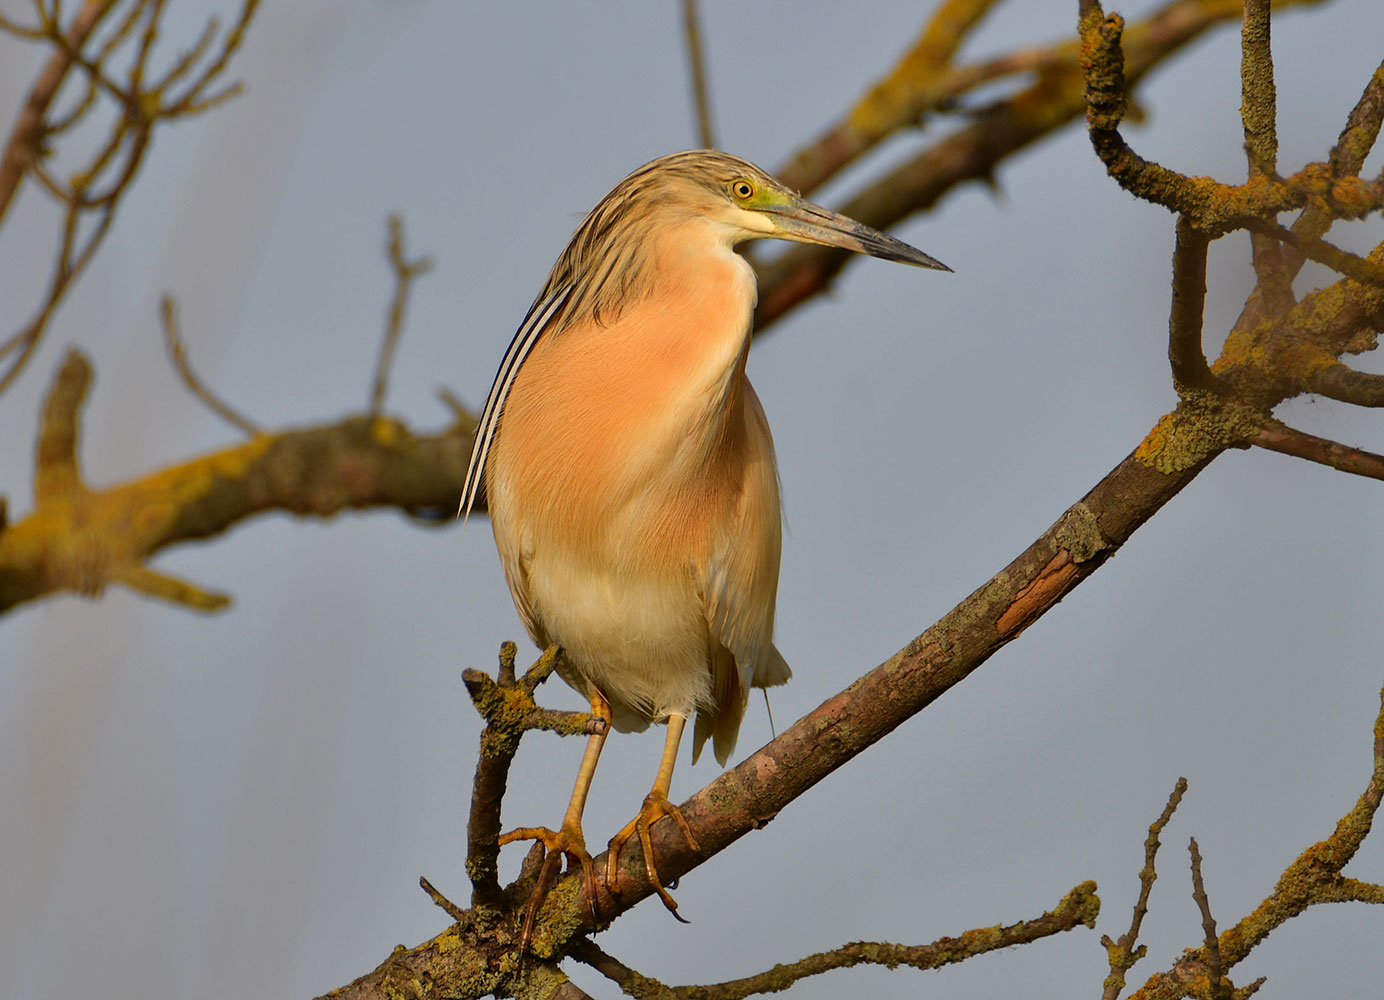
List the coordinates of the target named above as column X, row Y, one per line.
column 607, row 263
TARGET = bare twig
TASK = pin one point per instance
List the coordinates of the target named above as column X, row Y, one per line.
column 405, row 271
column 1362, row 269
column 1277, row 436
column 696, row 61
column 1258, row 98
column 177, row 352
column 90, row 199
column 441, row 901
column 317, row 471
column 1218, row 987
column 1127, row 951
column 1314, row 878
column 25, row 144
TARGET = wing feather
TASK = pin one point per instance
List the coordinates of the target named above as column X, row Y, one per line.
column 537, row 321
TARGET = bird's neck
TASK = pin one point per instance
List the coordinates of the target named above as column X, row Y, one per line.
column 710, row 295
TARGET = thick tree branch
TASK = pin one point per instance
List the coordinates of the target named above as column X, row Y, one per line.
column 752, row 794
column 81, row 539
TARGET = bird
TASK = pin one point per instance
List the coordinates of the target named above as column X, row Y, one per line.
column 629, row 471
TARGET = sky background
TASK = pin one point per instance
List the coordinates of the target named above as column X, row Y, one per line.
column 241, row 804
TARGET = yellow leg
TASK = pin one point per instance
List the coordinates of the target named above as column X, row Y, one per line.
column 656, row 806
column 567, row 841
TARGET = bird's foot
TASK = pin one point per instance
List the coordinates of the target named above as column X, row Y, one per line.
column 656, row 806
column 567, row 842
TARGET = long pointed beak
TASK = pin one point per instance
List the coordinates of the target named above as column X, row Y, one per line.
column 809, row 223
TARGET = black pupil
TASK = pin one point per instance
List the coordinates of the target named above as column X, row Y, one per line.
column 743, row 190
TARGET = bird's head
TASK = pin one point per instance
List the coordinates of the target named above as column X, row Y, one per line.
column 750, row 204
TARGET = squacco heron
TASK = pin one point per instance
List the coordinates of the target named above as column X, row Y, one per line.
column 630, row 474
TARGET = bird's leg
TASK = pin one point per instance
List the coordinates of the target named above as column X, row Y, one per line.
column 568, row 840
column 656, row 806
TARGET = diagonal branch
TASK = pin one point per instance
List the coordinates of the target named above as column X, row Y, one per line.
column 746, row 797
column 177, row 353
column 975, row 151
column 25, row 144
column 1279, row 437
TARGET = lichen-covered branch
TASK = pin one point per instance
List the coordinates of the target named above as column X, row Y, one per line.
column 82, row 539
column 1314, row 878
column 915, row 85
column 973, row 152
column 507, row 706
column 1078, row 908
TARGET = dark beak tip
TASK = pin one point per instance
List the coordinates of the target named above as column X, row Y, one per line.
column 924, row 261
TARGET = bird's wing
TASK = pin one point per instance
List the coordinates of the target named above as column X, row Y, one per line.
column 742, row 656
column 540, row 316
column 739, row 590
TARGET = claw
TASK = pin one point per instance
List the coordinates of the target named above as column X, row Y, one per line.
column 567, row 842
column 656, row 806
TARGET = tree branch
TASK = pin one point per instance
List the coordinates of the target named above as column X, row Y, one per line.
column 1313, row 879
column 973, row 152
column 1078, row 908
column 1279, row 437
column 1125, row 952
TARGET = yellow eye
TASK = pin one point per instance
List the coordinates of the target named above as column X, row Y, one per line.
column 742, row 189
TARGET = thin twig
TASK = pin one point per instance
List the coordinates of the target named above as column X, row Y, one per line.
column 441, row 901
column 1314, row 878
column 1078, row 908
column 1208, row 926
column 1126, row 951
column 89, row 210
column 25, row 141
column 177, row 353
column 405, row 271
column 696, row 61
column 1279, row 437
